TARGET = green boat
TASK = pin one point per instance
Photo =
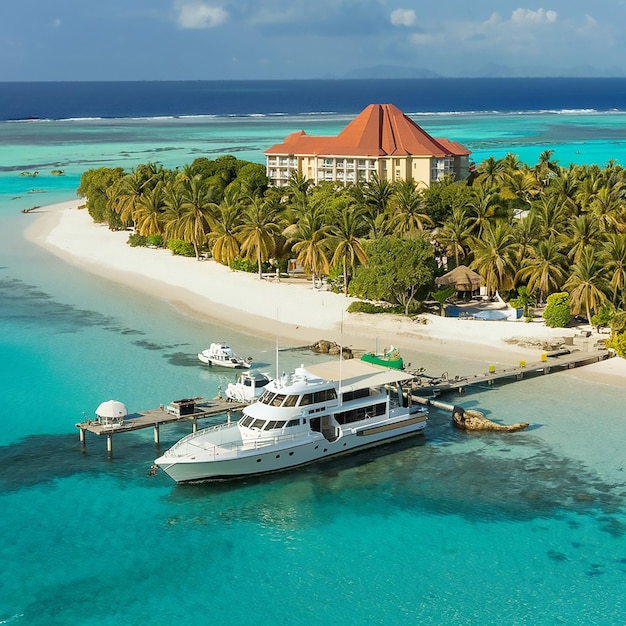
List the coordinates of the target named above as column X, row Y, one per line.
column 391, row 358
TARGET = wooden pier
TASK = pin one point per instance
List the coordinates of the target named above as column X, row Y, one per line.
column 555, row 361
column 190, row 410
column 423, row 389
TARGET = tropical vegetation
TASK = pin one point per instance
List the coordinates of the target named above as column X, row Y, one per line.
column 531, row 231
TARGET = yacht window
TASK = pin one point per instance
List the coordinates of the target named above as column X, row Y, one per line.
column 271, row 425
column 326, row 394
column 291, row 423
column 307, row 398
column 263, row 397
column 245, row 421
column 267, row 397
column 277, row 400
column 291, row 401
column 258, row 424
column 247, row 382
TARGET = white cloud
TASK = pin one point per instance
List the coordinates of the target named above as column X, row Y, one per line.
column 527, row 16
column 403, row 17
column 195, row 14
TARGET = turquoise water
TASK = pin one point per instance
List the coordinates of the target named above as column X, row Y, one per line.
column 448, row 528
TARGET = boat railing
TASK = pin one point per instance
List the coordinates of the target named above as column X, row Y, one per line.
column 186, row 438
column 238, row 446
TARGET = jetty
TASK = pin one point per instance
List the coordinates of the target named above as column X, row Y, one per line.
column 554, row 361
column 185, row 410
column 422, row 388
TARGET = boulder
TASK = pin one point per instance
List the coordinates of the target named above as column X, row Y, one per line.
column 330, row 347
column 475, row 420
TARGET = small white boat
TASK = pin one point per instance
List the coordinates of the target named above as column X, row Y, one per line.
column 249, row 386
column 317, row 412
column 222, row 355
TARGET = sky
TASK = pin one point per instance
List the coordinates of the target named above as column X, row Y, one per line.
column 287, row 39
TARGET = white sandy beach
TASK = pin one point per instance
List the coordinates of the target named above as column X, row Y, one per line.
column 301, row 314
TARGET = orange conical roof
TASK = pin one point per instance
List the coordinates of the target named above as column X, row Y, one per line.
column 379, row 130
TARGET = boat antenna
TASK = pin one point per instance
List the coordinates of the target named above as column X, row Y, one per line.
column 340, row 356
column 277, row 346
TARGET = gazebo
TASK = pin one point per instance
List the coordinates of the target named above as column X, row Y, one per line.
column 462, row 278
column 111, row 412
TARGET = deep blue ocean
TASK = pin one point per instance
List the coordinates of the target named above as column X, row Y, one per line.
column 523, row 528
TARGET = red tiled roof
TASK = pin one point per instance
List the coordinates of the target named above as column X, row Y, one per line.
column 379, row 130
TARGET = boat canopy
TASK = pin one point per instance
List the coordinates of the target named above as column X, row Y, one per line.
column 356, row 374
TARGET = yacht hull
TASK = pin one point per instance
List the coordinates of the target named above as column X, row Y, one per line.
column 272, row 458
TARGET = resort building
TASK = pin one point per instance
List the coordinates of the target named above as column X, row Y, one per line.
column 381, row 140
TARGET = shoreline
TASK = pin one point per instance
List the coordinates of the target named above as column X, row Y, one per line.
column 300, row 314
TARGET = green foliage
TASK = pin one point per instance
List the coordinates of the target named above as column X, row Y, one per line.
column 135, row 240
column 93, row 187
column 251, row 180
column 617, row 341
column 524, row 300
column 181, row 248
column 396, row 270
column 557, row 313
column 154, row 241
column 443, row 196
column 246, row 265
column 367, row 307
column 603, row 317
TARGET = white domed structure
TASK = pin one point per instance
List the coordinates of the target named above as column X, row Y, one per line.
column 111, row 412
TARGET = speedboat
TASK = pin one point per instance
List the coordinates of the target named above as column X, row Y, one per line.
column 388, row 358
column 315, row 413
column 222, row 355
column 249, row 386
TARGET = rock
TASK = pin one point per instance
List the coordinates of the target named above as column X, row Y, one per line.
column 330, row 347
column 475, row 420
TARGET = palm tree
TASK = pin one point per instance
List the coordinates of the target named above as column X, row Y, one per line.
column 309, row 240
column 582, row 231
column 128, row 193
column 197, row 206
column 260, row 224
column 587, row 283
column 609, row 207
column 377, row 193
column 225, row 225
column 346, row 229
column 550, row 215
column 174, row 213
column 298, row 189
column 546, row 168
column 492, row 173
column 615, row 255
column 527, row 232
column 544, row 268
column 149, row 212
column 454, row 235
column 482, row 206
column 495, row 256
column 407, row 204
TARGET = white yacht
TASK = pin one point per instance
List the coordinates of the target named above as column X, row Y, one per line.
column 249, row 386
column 317, row 412
column 222, row 355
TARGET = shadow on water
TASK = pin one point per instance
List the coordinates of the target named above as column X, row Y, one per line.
column 441, row 472
column 24, row 304
column 41, row 459
column 421, row 475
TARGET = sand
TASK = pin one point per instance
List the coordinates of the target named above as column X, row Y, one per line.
column 300, row 313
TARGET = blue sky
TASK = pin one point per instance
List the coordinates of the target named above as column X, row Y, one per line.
column 283, row 39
